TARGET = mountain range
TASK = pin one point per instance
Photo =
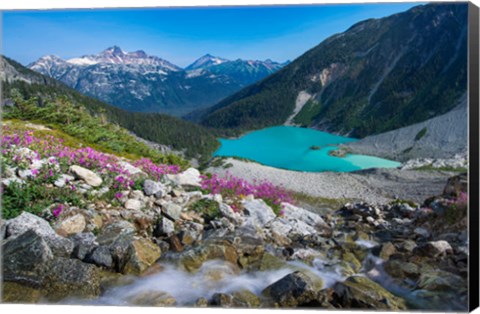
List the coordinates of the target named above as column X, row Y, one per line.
column 136, row 81
column 379, row 75
column 170, row 133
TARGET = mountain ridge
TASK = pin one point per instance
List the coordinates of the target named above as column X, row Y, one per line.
column 379, row 75
column 139, row 82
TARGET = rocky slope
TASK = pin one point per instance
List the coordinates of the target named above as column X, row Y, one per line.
column 163, row 234
column 379, row 75
column 442, row 137
column 139, row 82
column 375, row 186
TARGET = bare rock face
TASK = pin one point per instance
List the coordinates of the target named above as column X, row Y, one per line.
column 90, row 177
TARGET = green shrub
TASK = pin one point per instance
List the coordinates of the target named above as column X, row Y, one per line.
column 420, row 134
column 209, row 209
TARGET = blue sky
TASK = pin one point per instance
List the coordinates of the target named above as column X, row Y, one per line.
column 181, row 35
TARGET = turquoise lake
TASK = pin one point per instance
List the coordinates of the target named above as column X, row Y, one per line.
column 289, row 147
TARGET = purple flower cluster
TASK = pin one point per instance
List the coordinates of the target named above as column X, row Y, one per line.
column 156, row 170
column 232, row 186
column 57, row 210
column 48, row 146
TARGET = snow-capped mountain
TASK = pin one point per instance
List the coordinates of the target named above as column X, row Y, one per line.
column 205, row 62
column 137, row 81
column 115, row 55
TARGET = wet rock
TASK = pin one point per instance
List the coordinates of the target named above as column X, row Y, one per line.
column 399, row 269
column 175, row 243
column 361, row 292
column 295, row 289
column 438, row 280
column 71, row 278
column 434, row 249
column 201, row 302
column 245, row 299
column 141, row 254
column 387, row 249
column 271, row 262
column 71, row 225
column 90, row 177
column 14, row 292
column 60, row 246
column 222, row 299
column 213, row 249
column 190, row 177
column 152, row 298
column 192, row 232
column 100, row 256
column 172, row 211
column 83, row 243
column 260, row 212
column 134, row 204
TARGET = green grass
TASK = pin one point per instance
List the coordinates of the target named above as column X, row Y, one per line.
column 209, row 209
column 448, row 169
column 34, row 197
column 77, row 126
column 317, row 201
column 420, row 134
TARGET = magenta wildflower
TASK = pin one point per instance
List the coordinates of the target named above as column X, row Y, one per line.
column 57, row 210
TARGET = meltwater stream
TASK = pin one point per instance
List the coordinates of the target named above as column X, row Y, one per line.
column 213, row 277
column 298, row 149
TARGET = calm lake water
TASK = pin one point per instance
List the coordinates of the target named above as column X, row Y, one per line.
column 290, row 148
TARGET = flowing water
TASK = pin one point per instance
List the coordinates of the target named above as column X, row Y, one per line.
column 298, row 149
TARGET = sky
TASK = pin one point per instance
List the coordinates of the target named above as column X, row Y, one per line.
column 181, row 35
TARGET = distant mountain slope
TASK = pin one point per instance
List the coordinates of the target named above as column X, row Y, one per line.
column 379, row 75
column 139, row 82
column 175, row 133
column 440, row 137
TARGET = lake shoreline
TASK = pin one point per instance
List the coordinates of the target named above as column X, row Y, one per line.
column 375, row 186
column 298, row 149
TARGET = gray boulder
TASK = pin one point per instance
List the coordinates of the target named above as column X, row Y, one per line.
column 190, row 177
column 25, row 258
column 260, row 212
column 84, row 243
column 60, row 246
column 172, row 211
column 151, row 187
column 294, row 289
column 71, row 278
column 100, row 256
